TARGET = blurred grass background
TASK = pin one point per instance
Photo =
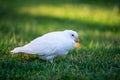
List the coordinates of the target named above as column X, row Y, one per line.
column 96, row 21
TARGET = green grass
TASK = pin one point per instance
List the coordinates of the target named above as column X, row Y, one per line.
column 97, row 24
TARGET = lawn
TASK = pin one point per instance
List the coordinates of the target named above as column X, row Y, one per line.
column 97, row 23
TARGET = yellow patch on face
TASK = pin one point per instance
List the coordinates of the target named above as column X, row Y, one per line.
column 77, row 45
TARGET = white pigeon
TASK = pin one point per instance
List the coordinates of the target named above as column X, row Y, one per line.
column 50, row 45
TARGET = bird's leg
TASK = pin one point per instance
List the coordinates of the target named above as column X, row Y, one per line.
column 51, row 61
column 50, row 58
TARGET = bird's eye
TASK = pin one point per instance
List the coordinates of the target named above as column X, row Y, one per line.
column 72, row 34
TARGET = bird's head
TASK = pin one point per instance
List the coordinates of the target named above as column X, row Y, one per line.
column 72, row 34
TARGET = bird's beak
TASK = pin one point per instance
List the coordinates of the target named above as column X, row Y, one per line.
column 77, row 45
column 77, row 39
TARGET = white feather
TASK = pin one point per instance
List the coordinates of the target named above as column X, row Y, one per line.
column 50, row 45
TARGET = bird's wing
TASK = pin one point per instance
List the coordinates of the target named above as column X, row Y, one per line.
column 44, row 45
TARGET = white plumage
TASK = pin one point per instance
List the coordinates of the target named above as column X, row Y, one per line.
column 50, row 45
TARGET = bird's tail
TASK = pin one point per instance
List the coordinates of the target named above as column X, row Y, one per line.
column 17, row 50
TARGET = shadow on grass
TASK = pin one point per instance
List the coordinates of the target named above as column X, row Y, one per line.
column 19, row 3
column 58, row 23
column 12, row 21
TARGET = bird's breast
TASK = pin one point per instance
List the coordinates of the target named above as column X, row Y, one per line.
column 65, row 47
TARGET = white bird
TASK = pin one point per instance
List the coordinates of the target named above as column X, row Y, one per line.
column 50, row 45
